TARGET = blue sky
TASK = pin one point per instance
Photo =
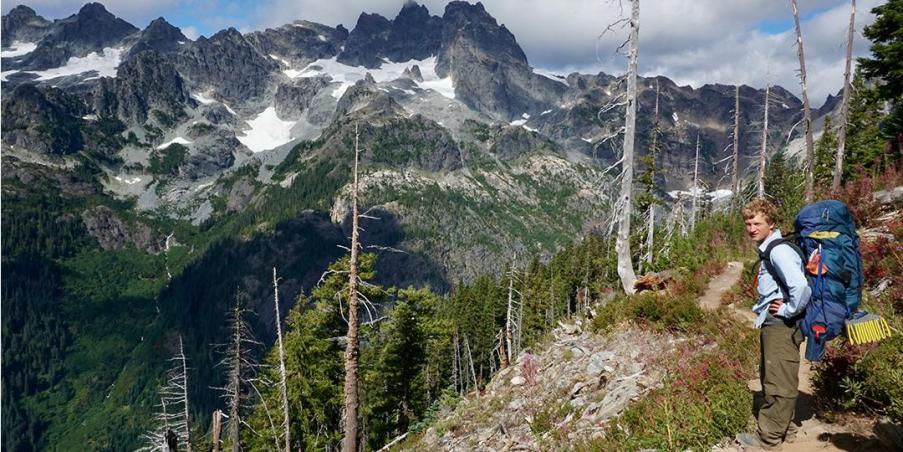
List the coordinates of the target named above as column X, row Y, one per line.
column 691, row 41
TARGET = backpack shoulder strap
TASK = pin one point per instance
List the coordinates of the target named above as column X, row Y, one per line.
column 765, row 258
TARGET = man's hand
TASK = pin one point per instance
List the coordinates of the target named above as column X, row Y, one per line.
column 775, row 305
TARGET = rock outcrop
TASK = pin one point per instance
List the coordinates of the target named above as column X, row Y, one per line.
column 146, row 81
column 159, row 36
column 45, row 120
column 23, row 24
column 228, row 63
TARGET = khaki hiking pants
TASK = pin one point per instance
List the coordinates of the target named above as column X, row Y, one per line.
column 779, row 367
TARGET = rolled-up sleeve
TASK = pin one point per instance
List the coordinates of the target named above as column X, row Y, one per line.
column 788, row 263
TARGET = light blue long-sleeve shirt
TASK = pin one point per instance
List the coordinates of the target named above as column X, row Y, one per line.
column 788, row 263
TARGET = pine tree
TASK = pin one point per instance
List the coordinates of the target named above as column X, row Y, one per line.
column 886, row 65
column 825, row 155
column 865, row 144
column 395, row 384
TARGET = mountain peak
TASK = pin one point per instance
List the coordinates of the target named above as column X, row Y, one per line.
column 94, row 10
column 22, row 11
column 159, row 35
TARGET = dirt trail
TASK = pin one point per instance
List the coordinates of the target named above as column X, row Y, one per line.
column 814, row 434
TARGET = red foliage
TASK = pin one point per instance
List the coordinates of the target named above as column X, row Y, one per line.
column 858, row 194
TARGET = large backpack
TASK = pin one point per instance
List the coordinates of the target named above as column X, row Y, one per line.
column 825, row 236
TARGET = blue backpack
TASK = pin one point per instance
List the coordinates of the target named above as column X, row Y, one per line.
column 825, row 237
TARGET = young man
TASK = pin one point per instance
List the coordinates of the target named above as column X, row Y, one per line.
column 782, row 303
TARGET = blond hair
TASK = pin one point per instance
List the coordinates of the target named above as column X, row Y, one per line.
column 761, row 206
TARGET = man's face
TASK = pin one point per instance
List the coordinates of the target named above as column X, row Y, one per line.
column 758, row 229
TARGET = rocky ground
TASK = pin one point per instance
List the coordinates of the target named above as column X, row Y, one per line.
column 558, row 396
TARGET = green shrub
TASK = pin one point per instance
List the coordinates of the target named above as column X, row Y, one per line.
column 703, row 402
column 863, row 378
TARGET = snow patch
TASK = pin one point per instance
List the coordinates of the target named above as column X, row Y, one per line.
column 90, row 117
column 203, row 98
column 720, row 194
column 529, row 128
column 5, row 74
column 131, row 181
column 545, row 112
column 176, row 140
column 281, row 60
column 700, row 192
column 267, row 131
column 348, row 75
column 322, row 38
column 588, row 140
column 783, row 105
column 550, row 75
column 519, row 122
column 675, row 117
column 229, row 109
column 104, row 64
column 18, row 48
column 525, row 116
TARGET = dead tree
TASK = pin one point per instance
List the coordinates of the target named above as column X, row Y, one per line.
column 762, row 156
column 502, row 350
column 845, row 105
column 283, row 386
column 695, row 188
column 352, row 351
column 512, row 323
column 173, row 421
column 622, row 246
column 456, row 370
column 735, row 179
column 217, row 429
column 807, row 112
column 473, row 371
column 650, row 214
column 241, row 369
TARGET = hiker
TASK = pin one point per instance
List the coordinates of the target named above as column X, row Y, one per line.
column 779, row 309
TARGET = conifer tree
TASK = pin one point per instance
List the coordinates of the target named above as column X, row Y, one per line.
column 396, row 394
column 825, row 154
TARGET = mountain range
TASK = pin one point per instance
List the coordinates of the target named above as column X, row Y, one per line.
column 179, row 169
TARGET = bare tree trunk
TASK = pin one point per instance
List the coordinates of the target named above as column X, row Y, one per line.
column 473, row 371
column 625, row 260
column 185, row 395
column 764, row 147
column 235, row 379
column 509, row 336
column 518, row 331
column 503, row 351
column 456, row 372
column 650, row 227
column 695, row 186
column 217, row 429
column 845, row 106
column 349, row 443
column 283, row 385
column 807, row 112
column 735, row 179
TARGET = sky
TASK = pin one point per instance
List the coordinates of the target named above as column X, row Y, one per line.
column 693, row 42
